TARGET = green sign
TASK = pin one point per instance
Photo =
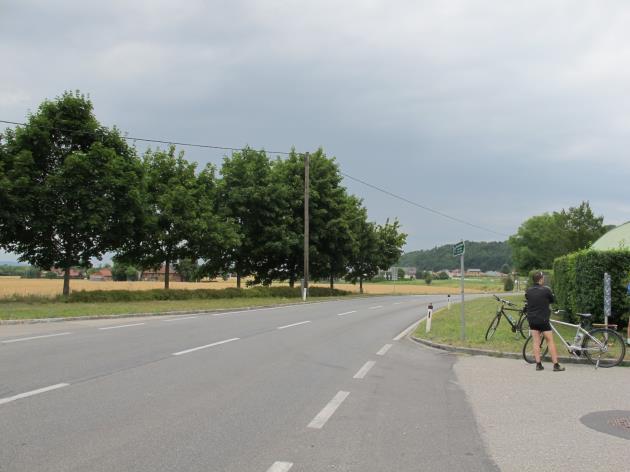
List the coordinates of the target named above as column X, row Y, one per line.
column 458, row 249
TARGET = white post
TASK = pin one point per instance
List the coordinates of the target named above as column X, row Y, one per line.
column 462, row 316
column 607, row 298
column 449, row 301
column 429, row 316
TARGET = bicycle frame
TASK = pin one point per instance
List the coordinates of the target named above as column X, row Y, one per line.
column 570, row 347
column 516, row 322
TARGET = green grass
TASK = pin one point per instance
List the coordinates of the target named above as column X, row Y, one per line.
column 15, row 310
column 485, row 284
column 445, row 327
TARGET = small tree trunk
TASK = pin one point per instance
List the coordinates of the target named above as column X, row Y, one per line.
column 332, row 281
column 291, row 282
column 360, row 284
column 167, row 274
column 238, row 280
column 66, row 281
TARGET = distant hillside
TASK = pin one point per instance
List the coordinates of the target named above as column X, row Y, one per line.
column 479, row 255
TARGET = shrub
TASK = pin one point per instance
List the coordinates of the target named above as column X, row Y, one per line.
column 579, row 283
column 508, row 284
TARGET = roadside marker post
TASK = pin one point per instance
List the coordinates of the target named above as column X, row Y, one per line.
column 458, row 250
column 429, row 316
column 449, row 300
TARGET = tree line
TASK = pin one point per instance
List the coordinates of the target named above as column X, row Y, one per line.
column 72, row 190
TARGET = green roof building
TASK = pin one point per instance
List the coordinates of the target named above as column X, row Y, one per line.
column 618, row 238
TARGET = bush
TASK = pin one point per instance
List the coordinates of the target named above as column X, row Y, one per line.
column 443, row 276
column 508, row 284
column 105, row 296
column 579, row 283
column 428, row 278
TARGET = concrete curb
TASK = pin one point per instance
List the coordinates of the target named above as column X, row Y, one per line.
column 486, row 352
column 161, row 313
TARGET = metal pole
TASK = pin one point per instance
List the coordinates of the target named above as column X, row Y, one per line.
column 463, row 318
column 607, row 298
column 306, row 221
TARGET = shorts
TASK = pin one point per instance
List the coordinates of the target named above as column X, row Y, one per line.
column 538, row 325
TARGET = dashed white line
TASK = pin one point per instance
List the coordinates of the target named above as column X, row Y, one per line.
column 184, row 318
column 323, row 416
column 364, row 370
column 375, row 307
column 398, row 303
column 294, row 324
column 346, row 313
column 280, row 467
column 31, row 393
column 122, row 326
column 382, row 351
column 33, row 337
column 205, row 347
column 408, row 330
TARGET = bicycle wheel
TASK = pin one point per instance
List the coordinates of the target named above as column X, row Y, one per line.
column 609, row 350
column 528, row 349
column 493, row 326
column 523, row 327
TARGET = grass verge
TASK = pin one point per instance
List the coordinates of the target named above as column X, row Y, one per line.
column 16, row 310
column 445, row 328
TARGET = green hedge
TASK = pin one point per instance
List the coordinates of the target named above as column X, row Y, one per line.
column 209, row 294
column 579, row 283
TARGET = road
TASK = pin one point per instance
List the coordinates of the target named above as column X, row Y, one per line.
column 312, row 387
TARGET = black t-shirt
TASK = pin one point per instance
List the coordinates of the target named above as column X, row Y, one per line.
column 539, row 297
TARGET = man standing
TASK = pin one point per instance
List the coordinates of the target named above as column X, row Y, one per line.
column 539, row 297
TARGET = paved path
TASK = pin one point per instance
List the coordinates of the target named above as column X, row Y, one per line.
column 530, row 420
column 327, row 386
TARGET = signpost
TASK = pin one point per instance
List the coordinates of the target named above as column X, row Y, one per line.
column 607, row 298
column 458, row 250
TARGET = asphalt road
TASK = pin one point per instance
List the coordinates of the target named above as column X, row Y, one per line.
column 316, row 387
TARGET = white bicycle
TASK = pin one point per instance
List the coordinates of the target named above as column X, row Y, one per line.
column 603, row 347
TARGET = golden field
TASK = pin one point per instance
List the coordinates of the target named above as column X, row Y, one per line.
column 47, row 287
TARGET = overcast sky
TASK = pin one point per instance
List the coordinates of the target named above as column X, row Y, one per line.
column 486, row 110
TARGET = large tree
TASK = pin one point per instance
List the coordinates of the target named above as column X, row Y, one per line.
column 249, row 194
column 71, row 187
column 180, row 217
column 542, row 238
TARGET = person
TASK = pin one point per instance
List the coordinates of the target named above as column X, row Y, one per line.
column 539, row 297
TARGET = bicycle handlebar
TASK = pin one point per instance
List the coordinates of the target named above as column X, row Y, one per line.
column 503, row 300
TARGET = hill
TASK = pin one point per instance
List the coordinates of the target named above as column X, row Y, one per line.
column 479, row 255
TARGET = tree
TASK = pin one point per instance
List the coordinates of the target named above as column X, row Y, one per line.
column 508, row 284
column 428, row 277
column 401, row 273
column 188, row 269
column 391, row 242
column 365, row 259
column 180, row 217
column 540, row 239
column 250, row 196
column 69, row 187
column 505, row 269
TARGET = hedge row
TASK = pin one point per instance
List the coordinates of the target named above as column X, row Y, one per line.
column 579, row 284
column 203, row 294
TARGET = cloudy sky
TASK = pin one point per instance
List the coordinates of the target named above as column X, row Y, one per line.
column 485, row 110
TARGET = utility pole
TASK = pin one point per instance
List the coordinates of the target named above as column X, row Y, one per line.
column 306, row 228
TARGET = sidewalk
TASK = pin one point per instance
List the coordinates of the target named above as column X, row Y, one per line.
column 530, row 420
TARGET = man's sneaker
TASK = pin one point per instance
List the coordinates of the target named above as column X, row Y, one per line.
column 558, row 368
column 539, row 366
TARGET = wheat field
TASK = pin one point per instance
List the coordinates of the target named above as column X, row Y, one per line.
column 46, row 287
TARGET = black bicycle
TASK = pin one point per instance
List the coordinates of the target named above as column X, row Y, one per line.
column 520, row 325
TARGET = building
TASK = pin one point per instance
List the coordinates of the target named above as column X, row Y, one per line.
column 616, row 238
column 102, row 275
column 74, row 273
column 157, row 275
column 473, row 273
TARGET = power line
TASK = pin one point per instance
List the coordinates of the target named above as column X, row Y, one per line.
column 285, row 153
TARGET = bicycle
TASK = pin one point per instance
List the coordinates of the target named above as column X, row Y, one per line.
column 521, row 325
column 603, row 347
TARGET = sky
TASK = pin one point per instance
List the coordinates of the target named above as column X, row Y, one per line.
column 490, row 112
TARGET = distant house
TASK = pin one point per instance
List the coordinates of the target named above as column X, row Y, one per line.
column 473, row 273
column 103, row 275
column 157, row 275
column 74, row 273
column 410, row 272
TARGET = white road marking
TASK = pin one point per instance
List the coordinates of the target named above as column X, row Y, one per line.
column 364, row 370
column 398, row 303
column 33, row 337
column 122, row 326
column 323, row 416
column 346, row 313
column 31, row 393
column 294, row 324
column 408, row 330
column 184, row 318
column 280, row 467
column 382, row 351
column 204, row 347
column 375, row 307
